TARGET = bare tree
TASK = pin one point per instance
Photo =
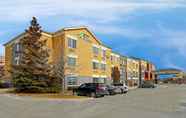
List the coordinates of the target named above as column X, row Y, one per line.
column 59, row 71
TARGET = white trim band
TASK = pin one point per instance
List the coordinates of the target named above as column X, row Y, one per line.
column 116, row 55
column 72, row 37
column 97, row 76
column 73, row 56
column 94, row 45
column 103, row 62
column 103, row 76
column 94, row 60
column 103, row 48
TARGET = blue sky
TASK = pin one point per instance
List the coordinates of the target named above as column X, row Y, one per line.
column 149, row 29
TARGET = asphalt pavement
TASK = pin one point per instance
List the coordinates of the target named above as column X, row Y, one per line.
column 165, row 101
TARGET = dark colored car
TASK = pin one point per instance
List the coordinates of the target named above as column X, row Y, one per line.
column 92, row 90
column 111, row 89
column 5, row 84
column 148, row 84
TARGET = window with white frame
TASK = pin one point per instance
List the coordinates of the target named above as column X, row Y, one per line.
column 72, row 80
column 117, row 59
column 99, row 80
column 112, row 58
column 72, row 43
column 95, row 80
column 16, row 54
column 71, row 61
column 104, row 54
column 95, row 65
column 95, row 50
column 103, row 66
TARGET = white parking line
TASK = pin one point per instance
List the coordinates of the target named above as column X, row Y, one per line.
column 12, row 96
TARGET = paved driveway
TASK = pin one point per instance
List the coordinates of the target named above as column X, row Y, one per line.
column 162, row 102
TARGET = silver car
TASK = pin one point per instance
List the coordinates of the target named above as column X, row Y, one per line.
column 121, row 87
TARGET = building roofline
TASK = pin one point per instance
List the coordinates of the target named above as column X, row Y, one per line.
column 61, row 30
column 170, row 69
column 116, row 53
column 15, row 38
column 80, row 27
column 21, row 34
column 76, row 28
column 136, row 58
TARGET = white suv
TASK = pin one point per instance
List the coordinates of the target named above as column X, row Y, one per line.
column 123, row 87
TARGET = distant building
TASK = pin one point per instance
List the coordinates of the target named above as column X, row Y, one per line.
column 132, row 72
column 149, row 74
column 2, row 64
column 115, row 67
column 123, row 69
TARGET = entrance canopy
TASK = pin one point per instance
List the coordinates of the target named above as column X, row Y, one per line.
column 168, row 71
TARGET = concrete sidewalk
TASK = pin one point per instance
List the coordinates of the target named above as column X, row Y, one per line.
column 132, row 88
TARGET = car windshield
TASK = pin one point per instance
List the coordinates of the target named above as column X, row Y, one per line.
column 118, row 84
column 83, row 85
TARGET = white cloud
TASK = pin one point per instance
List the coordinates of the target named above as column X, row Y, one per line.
column 110, row 29
column 99, row 15
column 172, row 39
column 95, row 9
column 169, row 40
column 169, row 63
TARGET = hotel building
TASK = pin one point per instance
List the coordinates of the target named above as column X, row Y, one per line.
column 87, row 59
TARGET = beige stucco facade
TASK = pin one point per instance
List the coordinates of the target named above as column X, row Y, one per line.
column 133, row 71
column 82, row 54
column 86, row 58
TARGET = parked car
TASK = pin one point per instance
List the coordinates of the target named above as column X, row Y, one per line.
column 148, row 84
column 5, row 84
column 122, row 87
column 112, row 90
column 92, row 90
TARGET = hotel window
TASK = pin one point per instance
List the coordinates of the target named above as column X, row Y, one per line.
column 117, row 59
column 95, row 65
column 71, row 61
column 129, row 74
column 99, row 80
column 103, row 67
column 95, row 50
column 95, row 80
column 104, row 54
column 72, row 43
column 112, row 58
column 72, row 80
column 16, row 54
column 136, row 66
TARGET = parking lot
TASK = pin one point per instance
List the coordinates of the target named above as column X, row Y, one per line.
column 165, row 101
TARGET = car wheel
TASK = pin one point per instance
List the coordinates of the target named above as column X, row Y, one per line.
column 122, row 91
column 111, row 93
